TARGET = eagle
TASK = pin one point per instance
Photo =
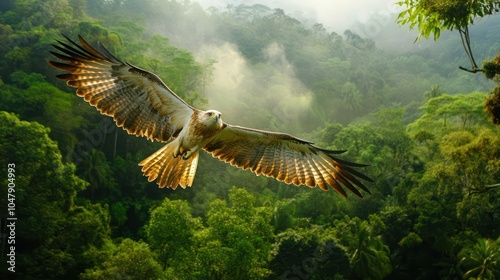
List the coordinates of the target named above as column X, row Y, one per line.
column 142, row 104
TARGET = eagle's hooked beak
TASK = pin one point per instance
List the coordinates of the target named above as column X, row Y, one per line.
column 216, row 117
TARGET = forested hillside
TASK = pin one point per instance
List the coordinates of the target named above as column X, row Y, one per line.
column 84, row 210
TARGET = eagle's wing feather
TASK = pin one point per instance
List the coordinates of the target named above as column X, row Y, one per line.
column 286, row 158
column 137, row 99
column 143, row 105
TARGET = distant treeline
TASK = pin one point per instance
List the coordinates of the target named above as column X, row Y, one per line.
column 84, row 210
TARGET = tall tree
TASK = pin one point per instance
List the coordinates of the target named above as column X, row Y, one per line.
column 432, row 16
column 170, row 231
column 482, row 260
column 369, row 256
column 129, row 260
column 96, row 170
column 237, row 242
column 52, row 232
column 308, row 254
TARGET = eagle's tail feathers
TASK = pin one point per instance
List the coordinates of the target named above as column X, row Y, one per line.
column 168, row 171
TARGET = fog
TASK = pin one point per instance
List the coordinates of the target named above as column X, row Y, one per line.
column 251, row 93
column 335, row 15
column 239, row 89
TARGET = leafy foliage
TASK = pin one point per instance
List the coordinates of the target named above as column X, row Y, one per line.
column 431, row 17
column 85, row 211
column 482, row 259
column 129, row 260
column 171, row 231
column 236, row 243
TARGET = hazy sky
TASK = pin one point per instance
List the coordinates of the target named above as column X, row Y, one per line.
column 335, row 15
column 238, row 88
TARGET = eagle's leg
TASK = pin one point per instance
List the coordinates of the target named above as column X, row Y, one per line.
column 188, row 153
column 185, row 153
column 177, row 151
column 181, row 151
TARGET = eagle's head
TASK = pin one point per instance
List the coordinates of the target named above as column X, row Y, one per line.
column 212, row 118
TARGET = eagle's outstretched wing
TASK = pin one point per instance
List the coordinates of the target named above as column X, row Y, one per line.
column 137, row 100
column 143, row 105
column 286, row 158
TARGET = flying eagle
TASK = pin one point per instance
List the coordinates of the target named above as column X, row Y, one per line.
column 142, row 104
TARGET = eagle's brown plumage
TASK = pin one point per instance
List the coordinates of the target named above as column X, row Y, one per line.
column 137, row 100
column 143, row 105
column 286, row 158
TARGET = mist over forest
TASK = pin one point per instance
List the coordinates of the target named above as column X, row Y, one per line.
column 345, row 76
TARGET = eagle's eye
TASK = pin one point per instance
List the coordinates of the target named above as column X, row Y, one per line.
column 210, row 114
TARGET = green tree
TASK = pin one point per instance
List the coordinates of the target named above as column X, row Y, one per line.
column 450, row 112
column 461, row 146
column 47, row 187
column 96, row 170
column 64, row 256
column 129, row 260
column 452, row 199
column 474, row 158
column 397, row 223
column 492, row 103
column 351, row 96
column 368, row 255
column 237, row 242
column 33, row 98
column 433, row 16
column 435, row 91
column 482, row 260
column 170, row 232
column 53, row 230
column 382, row 141
column 283, row 216
column 308, row 253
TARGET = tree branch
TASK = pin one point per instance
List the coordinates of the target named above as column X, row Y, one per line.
column 485, row 189
column 464, row 36
column 470, row 71
column 467, row 39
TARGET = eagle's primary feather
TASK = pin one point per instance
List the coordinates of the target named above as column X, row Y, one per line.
column 141, row 103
